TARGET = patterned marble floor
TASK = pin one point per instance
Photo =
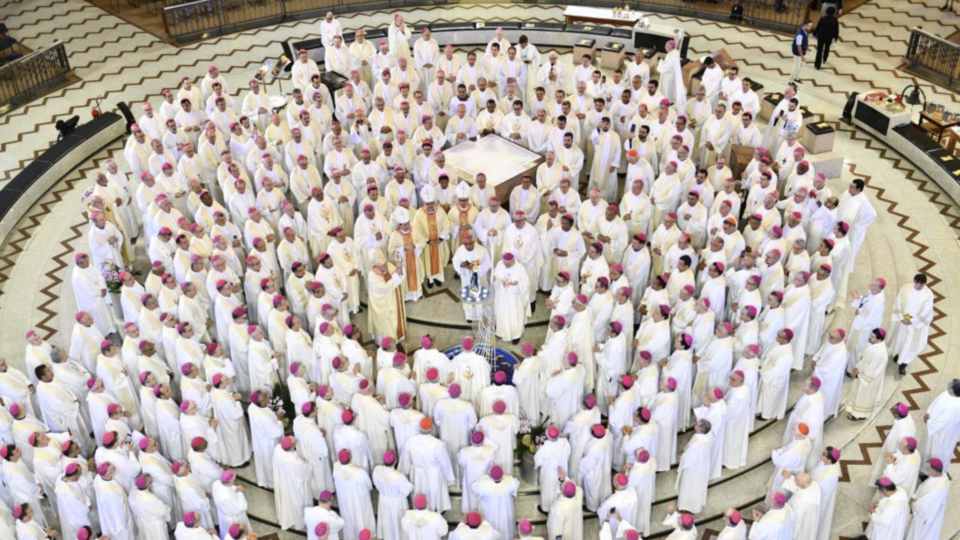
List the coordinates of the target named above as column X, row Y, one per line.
column 917, row 228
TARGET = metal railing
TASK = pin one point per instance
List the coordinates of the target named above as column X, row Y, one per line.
column 933, row 57
column 777, row 15
column 193, row 20
column 22, row 79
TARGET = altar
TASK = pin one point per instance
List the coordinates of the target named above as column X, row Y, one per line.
column 503, row 162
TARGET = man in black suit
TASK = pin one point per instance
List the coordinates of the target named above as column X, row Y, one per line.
column 826, row 32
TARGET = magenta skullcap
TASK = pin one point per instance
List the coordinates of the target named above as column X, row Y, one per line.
column 643, row 456
column 454, row 390
column 754, row 348
column 112, row 408
column 294, row 368
column 622, row 480
column 524, row 526
column 590, row 401
column 788, row 332
column 227, row 476
column 911, row 443
column 251, row 329
column 141, row 481
column 404, row 399
column 626, row 381
column 508, row 256
column 902, row 409
column 686, row 520
column 646, row 355
column 186, row 368
column 389, row 457
column 287, row 443
column 32, row 439
column 718, row 393
column 645, row 414
column 582, row 299
column 496, row 472
column 365, row 534
column 190, row 518
column 816, row 382
column 632, row 534
column 433, row 374
column 881, row 332
column 185, row 406
column 688, row 339
column 781, row 499
column 500, row 377
column 197, row 442
column 689, row 289
column 527, row 349
column 617, row 327
column 109, row 438
column 499, row 407
column 235, row 531
column 71, row 469
column 671, row 383
column 477, row 437
column 346, row 417
column 936, row 464
column 467, row 343
column 325, row 495
column 728, row 327
column 561, row 320
column 83, row 533
column 752, row 311
column 569, row 489
column 90, row 382
column 835, row 454
column 79, row 316
column 103, row 468
column 105, row 344
column 144, row 443
column 399, row 359
column 425, row 342
column 598, row 431
column 420, row 501
column 337, row 362
column 572, row 358
column 553, row 432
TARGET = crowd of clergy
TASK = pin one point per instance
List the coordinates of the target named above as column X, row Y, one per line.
column 681, row 299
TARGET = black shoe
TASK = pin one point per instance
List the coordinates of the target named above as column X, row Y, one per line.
column 438, row 283
column 542, row 511
column 903, row 369
column 533, row 306
column 516, row 341
column 896, row 357
column 430, row 284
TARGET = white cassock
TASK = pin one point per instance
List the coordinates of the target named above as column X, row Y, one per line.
column 671, row 78
column 805, row 504
column 789, row 458
column 821, row 297
column 231, row 429
column 606, row 154
column 796, row 306
column 867, row 389
column 909, row 340
column 831, row 362
column 527, row 379
column 642, row 479
column 61, row 409
column 595, row 467
column 889, row 520
column 374, row 420
column 713, row 368
column 775, row 382
column 625, row 502
column 566, row 517
column 808, row 410
column 943, row 427
column 266, row 431
column 664, row 412
column 776, row 524
column 423, row 525
column 929, row 506
column 827, row 477
column 151, row 515
column 231, row 506
column 455, row 419
column 74, row 506
column 904, row 470
column 511, row 287
column 563, row 393
column 430, row 470
column 496, row 503
column 694, row 473
column 87, row 287
column 393, row 489
column 474, row 461
column 501, row 429
column 314, row 450
column 611, row 362
column 869, row 315
column 739, row 424
column 115, row 517
column 716, row 414
column 549, row 456
column 291, row 475
column 471, row 363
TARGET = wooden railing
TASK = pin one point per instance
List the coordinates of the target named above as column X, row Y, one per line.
column 24, row 78
column 933, row 57
column 189, row 21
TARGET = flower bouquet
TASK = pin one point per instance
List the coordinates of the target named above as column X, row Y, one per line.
column 111, row 274
column 530, row 436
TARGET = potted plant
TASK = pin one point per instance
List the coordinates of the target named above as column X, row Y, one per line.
column 111, row 275
column 530, row 437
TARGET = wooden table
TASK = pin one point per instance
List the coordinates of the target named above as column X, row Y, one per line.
column 583, row 14
column 933, row 123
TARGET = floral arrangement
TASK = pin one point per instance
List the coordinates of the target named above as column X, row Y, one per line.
column 111, row 274
column 281, row 404
column 531, row 436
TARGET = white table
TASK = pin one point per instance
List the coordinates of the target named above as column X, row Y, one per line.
column 501, row 161
column 579, row 14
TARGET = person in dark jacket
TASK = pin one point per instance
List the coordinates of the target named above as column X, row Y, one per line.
column 826, row 32
column 798, row 47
